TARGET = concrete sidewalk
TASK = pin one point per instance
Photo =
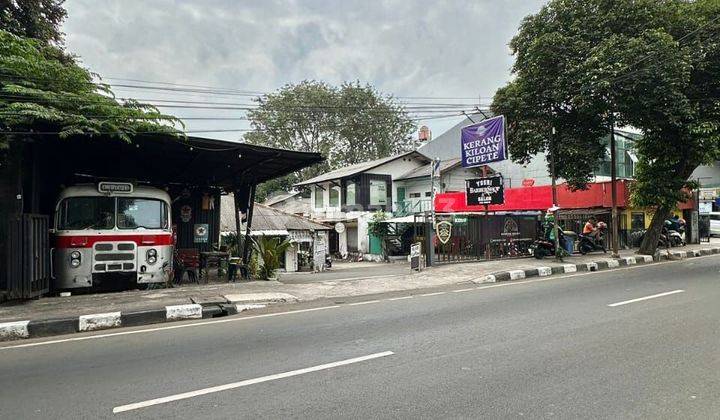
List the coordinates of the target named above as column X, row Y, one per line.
column 59, row 315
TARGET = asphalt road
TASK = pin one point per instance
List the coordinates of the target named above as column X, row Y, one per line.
column 536, row 349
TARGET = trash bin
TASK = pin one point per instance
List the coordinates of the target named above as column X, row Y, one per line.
column 570, row 239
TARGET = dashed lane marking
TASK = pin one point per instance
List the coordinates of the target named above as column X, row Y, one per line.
column 234, row 385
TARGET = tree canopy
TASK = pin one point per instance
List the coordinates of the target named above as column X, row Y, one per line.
column 40, row 92
column 349, row 124
column 38, row 19
column 582, row 65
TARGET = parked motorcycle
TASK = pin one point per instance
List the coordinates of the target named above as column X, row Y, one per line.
column 328, row 261
column 542, row 248
column 590, row 243
column 675, row 232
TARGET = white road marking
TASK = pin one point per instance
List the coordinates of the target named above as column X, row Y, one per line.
column 168, row 327
column 220, row 388
column 402, row 298
column 465, row 290
column 363, row 303
column 625, row 302
column 433, row 294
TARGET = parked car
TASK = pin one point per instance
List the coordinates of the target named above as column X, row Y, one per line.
column 714, row 223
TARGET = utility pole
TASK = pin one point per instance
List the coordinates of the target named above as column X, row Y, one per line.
column 555, row 206
column 613, row 190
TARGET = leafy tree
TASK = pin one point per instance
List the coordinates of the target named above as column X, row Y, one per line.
column 40, row 92
column 350, row 124
column 583, row 65
column 265, row 189
column 38, row 19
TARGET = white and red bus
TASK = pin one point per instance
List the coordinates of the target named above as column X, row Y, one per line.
column 111, row 233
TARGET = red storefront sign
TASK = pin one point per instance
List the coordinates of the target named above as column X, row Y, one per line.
column 534, row 198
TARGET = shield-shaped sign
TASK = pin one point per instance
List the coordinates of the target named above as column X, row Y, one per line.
column 444, row 231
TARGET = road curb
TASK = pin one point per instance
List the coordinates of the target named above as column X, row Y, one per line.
column 603, row 264
column 24, row 329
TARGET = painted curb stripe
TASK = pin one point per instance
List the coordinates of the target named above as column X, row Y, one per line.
column 13, row 330
column 94, row 322
column 190, row 311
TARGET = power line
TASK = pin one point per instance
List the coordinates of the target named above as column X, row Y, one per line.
column 172, row 103
column 325, row 127
column 198, row 89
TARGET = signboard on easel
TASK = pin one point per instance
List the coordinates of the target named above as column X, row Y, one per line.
column 415, row 252
column 319, row 253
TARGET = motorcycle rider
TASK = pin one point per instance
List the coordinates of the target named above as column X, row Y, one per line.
column 590, row 229
column 674, row 223
column 550, row 227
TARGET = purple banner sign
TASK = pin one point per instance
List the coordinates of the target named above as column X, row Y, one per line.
column 484, row 142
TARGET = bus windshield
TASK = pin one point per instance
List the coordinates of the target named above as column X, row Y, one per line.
column 106, row 213
column 80, row 213
column 134, row 213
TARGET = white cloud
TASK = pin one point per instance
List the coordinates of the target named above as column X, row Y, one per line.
column 404, row 47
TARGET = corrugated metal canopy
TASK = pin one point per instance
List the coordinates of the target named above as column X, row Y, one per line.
column 166, row 160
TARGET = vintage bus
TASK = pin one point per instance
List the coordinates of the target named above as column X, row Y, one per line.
column 111, row 235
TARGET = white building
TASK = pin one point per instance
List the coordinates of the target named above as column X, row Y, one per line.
column 350, row 196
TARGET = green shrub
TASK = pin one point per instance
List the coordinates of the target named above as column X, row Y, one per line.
column 269, row 250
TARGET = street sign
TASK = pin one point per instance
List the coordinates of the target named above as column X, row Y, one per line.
column 459, row 220
column 484, row 191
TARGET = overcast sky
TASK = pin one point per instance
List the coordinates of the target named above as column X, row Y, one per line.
column 407, row 48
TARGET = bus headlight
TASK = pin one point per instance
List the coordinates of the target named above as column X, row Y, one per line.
column 151, row 256
column 75, row 258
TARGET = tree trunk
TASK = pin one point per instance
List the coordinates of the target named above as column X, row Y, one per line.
column 650, row 241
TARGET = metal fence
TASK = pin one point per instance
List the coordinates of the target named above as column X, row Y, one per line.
column 28, row 256
column 491, row 237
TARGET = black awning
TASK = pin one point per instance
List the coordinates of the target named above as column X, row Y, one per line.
column 165, row 160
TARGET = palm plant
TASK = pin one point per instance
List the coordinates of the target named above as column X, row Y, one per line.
column 269, row 250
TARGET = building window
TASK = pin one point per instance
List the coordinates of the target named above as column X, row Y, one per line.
column 319, row 197
column 335, row 197
column 350, row 194
column 428, row 194
column 378, row 193
column 414, row 195
column 637, row 221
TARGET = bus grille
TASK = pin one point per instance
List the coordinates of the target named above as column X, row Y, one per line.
column 114, row 256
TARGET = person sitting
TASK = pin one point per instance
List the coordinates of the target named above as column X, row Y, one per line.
column 590, row 228
column 674, row 223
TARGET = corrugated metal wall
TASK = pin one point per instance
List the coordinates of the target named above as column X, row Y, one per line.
column 211, row 217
